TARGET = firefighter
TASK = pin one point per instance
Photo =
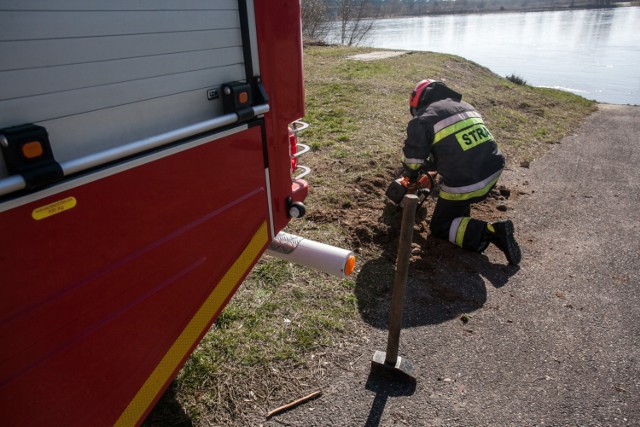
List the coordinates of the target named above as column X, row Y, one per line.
column 448, row 135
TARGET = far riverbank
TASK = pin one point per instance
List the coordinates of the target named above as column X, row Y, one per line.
column 454, row 9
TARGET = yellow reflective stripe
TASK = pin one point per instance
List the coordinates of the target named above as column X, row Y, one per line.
column 472, row 187
column 466, row 196
column 411, row 161
column 413, row 166
column 456, row 128
column 454, row 119
column 162, row 373
column 462, row 228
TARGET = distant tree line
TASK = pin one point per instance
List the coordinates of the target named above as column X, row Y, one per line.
column 355, row 18
column 388, row 8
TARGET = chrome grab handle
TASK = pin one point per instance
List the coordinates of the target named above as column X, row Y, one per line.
column 299, row 126
column 305, row 148
column 305, row 171
column 16, row 182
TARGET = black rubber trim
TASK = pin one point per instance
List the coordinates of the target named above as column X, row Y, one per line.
column 246, row 40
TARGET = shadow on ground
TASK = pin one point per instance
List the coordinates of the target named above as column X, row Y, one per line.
column 384, row 389
column 168, row 411
column 444, row 282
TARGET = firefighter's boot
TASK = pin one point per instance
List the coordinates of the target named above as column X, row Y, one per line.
column 501, row 234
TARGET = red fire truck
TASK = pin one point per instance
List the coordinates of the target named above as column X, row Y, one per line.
column 146, row 165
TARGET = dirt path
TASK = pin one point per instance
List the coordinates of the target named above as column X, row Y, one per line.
column 553, row 342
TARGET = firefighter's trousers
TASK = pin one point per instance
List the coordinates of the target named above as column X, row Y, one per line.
column 452, row 220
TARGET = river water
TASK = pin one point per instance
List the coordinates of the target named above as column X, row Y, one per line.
column 594, row 53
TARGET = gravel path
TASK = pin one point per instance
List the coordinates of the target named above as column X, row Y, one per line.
column 554, row 342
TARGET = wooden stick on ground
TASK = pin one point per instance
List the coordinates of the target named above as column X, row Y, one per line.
column 294, row 403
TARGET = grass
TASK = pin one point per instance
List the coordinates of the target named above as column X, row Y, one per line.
column 285, row 322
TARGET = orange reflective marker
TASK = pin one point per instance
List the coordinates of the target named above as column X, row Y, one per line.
column 32, row 149
column 350, row 265
column 243, row 97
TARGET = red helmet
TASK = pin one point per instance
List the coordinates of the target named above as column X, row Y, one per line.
column 416, row 95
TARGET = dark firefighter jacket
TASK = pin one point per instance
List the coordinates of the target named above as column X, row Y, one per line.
column 464, row 151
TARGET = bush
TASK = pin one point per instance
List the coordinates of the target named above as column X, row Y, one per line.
column 516, row 79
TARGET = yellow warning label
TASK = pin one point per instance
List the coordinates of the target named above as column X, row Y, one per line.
column 54, row 208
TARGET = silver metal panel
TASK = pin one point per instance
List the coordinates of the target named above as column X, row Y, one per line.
column 61, row 5
column 52, row 106
column 20, row 55
column 102, row 74
column 54, row 80
column 33, row 25
column 131, row 122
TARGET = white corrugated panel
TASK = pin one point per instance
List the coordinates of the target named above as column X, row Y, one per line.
column 102, row 73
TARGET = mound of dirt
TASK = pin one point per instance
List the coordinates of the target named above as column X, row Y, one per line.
column 376, row 227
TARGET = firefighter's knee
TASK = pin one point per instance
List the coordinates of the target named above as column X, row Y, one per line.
column 440, row 229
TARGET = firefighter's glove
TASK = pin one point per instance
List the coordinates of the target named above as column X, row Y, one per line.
column 429, row 165
column 411, row 174
column 428, row 181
